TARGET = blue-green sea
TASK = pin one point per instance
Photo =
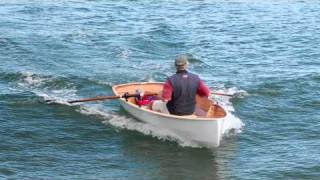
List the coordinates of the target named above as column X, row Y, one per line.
column 268, row 51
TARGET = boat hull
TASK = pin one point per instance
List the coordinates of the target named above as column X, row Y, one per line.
column 203, row 132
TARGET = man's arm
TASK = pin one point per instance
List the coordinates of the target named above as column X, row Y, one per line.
column 203, row 89
column 167, row 91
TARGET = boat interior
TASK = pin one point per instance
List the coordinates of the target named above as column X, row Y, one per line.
column 205, row 108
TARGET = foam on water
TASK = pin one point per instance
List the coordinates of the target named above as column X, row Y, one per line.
column 31, row 79
column 34, row 83
column 148, row 129
column 123, row 122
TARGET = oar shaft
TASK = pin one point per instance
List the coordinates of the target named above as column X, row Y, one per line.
column 126, row 95
column 221, row 94
column 94, row 99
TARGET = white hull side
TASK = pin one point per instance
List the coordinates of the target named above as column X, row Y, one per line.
column 204, row 132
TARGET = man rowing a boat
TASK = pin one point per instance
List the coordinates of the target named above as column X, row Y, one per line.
column 180, row 90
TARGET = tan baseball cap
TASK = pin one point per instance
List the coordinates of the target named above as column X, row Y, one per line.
column 181, row 60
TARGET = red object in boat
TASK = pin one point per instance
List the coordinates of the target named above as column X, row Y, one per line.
column 145, row 100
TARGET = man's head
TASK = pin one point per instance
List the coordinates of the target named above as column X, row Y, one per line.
column 181, row 62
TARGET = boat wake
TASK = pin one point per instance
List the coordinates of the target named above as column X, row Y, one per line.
column 126, row 123
column 47, row 88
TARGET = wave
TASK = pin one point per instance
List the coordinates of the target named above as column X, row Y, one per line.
column 60, row 89
column 293, row 85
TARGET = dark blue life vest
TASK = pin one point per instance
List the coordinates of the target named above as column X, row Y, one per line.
column 185, row 86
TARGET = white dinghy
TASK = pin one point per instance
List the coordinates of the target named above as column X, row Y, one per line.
column 204, row 128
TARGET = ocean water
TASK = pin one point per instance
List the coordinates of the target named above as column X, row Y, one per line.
column 266, row 51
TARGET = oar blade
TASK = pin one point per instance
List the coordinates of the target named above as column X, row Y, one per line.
column 55, row 102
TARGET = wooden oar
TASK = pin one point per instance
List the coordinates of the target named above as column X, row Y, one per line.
column 235, row 95
column 99, row 98
column 222, row 94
